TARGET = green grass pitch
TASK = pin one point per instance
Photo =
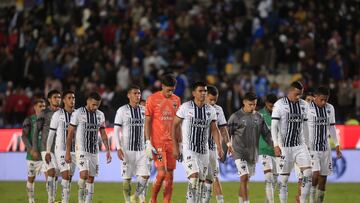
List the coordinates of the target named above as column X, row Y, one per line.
column 12, row 192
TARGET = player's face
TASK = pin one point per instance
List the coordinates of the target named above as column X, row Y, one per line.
column 295, row 94
column 309, row 98
column 249, row 106
column 55, row 100
column 269, row 106
column 69, row 100
column 320, row 100
column 92, row 104
column 200, row 93
column 211, row 99
column 168, row 90
column 134, row 96
column 39, row 107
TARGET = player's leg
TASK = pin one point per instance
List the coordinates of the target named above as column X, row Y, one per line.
column 218, row 190
column 51, row 179
column 299, row 176
column 34, row 167
column 170, row 162
column 285, row 164
column 190, row 164
column 83, row 164
column 269, row 177
column 244, row 173
column 209, row 178
column 325, row 170
column 126, row 173
column 93, row 171
column 302, row 158
column 160, row 176
column 64, row 169
column 316, row 173
column 142, row 173
column 321, row 189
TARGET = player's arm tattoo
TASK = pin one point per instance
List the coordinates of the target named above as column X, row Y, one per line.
column 25, row 134
column 104, row 138
column 224, row 134
column 70, row 137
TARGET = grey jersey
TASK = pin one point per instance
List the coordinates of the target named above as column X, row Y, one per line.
column 43, row 126
column 245, row 130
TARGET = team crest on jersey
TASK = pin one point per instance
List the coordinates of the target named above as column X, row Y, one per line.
column 208, row 114
column 328, row 111
column 175, row 105
column 303, row 108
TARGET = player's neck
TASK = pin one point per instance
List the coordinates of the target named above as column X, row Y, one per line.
column 69, row 109
column 294, row 100
column 134, row 104
column 53, row 108
column 199, row 103
column 246, row 110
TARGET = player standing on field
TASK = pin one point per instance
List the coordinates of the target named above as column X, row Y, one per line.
column 43, row 126
column 191, row 127
column 33, row 158
column 87, row 121
column 245, row 128
column 321, row 121
column 212, row 176
column 266, row 152
column 129, row 123
column 58, row 126
column 290, row 135
column 160, row 111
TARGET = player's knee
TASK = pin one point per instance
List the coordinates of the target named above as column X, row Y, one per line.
column 51, row 172
column 194, row 183
column 194, row 175
column 269, row 177
column 81, row 183
column 126, row 185
column 31, row 179
column 160, row 175
column 307, row 173
column 244, row 178
column 90, row 179
column 284, row 179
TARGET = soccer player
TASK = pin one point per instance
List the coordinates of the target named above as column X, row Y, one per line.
column 43, row 126
column 129, row 123
column 58, row 125
column 160, row 111
column 321, row 117
column 196, row 119
column 33, row 157
column 245, row 128
column 290, row 135
column 266, row 152
column 212, row 176
column 87, row 121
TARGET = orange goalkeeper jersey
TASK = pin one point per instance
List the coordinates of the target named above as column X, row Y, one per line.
column 162, row 111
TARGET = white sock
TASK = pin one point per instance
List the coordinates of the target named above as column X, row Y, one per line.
column 241, row 200
column 193, row 184
column 312, row 194
column 269, row 189
column 306, row 185
column 283, row 190
column 65, row 184
column 219, row 199
column 275, row 183
column 55, row 187
column 50, row 188
column 81, row 191
column 199, row 192
column 127, row 189
column 207, row 193
column 141, row 185
column 89, row 192
column 247, row 201
column 30, row 191
column 320, row 196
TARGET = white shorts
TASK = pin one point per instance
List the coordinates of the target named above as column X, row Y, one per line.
column 268, row 162
column 135, row 163
column 290, row 155
column 61, row 163
column 244, row 168
column 87, row 162
column 52, row 164
column 34, row 167
column 322, row 161
column 213, row 168
column 195, row 163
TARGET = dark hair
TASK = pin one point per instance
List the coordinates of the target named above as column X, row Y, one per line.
column 94, row 95
column 212, row 90
column 322, row 91
column 52, row 92
column 133, row 87
column 250, row 96
column 297, row 85
column 308, row 93
column 198, row 84
column 66, row 93
column 168, row 80
column 271, row 98
column 39, row 100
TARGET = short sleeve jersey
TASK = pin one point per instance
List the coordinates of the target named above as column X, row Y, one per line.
column 221, row 121
column 59, row 123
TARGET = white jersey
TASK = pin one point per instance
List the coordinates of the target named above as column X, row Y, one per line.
column 131, row 121
column 88, row 125
column 292, row 121
column 221, row 121
column 319, row 121
column 195, row 125
column 59, row 123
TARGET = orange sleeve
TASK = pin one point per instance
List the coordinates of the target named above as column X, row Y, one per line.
column 148, row 107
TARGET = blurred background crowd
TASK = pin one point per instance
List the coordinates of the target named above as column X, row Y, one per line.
column 239, row 46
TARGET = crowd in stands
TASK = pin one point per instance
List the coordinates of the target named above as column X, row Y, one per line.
column 238, row 45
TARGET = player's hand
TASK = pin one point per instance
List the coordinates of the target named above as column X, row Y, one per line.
column 108, row 157
column 230, row 148
column 220, row 152
column 120, row 154
column 150, row 150
column 338, row 153
column 35, row 154
column 277, row 151
column 68, row 158
column 48, row 158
